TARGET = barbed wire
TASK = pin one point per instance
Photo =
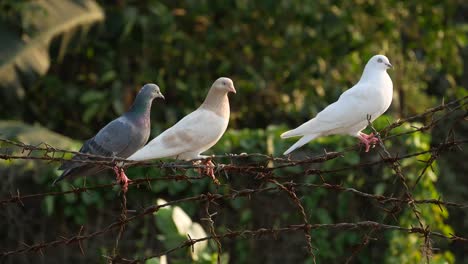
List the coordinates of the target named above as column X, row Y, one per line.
column 261, row 168
column 294, row 228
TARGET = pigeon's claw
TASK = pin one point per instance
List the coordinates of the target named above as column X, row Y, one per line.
column 368, row 140
column 209, row 170
column 122, row 178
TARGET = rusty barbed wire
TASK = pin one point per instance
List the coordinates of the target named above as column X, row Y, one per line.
column 289, row 189
column 395, row 165
column 263, row 170
column 203, row 197
column 212, row 229
column 292, row 228
column 18, row 198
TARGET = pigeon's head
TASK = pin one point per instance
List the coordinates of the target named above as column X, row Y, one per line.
column 151, row 91
column 380, row 62
column 224, row 84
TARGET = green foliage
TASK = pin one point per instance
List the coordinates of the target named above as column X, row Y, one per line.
column 24, row 51
column 34, row 135
column 274, row 53
column 413, row 251
column 176, row 227
column 288, row 60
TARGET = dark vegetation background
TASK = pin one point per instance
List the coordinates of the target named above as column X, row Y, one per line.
column 288, row 59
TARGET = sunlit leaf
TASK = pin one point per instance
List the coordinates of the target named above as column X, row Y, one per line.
column 25, row 55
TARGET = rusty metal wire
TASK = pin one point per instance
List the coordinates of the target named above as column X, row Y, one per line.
column 295, row 228
column 271, row 183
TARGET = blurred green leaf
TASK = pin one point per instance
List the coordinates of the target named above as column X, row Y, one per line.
column 24, row 55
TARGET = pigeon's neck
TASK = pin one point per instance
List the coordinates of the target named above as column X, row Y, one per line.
column 141, row 106
column 370, row 74
column 218, row 102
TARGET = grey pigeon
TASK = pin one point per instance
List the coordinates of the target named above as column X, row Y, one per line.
column 120, row 138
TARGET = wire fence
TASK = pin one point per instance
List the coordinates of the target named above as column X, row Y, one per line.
column 264, row 169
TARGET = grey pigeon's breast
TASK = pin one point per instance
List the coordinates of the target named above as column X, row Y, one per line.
column 139, row 135
column 145, row 127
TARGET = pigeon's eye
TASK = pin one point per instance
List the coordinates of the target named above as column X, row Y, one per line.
column 224, row 83
column 379, row 60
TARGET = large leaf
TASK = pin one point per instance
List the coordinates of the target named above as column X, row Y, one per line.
column 25, row 55
column 34, row 135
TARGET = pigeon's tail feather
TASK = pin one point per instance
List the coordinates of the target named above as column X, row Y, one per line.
column 301, row 130
column 84, row 170
column 301, row 142
column 61, row 177
column 290, row 133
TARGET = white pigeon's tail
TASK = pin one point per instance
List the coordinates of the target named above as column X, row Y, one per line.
column 300, row 130
column 291, row 133
column 301, row 142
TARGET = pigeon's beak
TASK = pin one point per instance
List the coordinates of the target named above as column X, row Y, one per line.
column 232, row 89
column 389, row 65
column 160, row 95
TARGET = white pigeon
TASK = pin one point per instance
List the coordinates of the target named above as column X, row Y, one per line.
column 196, row 132
column 372, row 95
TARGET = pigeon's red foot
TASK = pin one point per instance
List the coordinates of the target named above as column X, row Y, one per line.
column 209, row 170
column 368, row 140
column 122, row 178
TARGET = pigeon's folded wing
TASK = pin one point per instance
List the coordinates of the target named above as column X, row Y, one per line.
column 191, row 134
column 115, row 137
column 349, row 110
column 111, row 140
